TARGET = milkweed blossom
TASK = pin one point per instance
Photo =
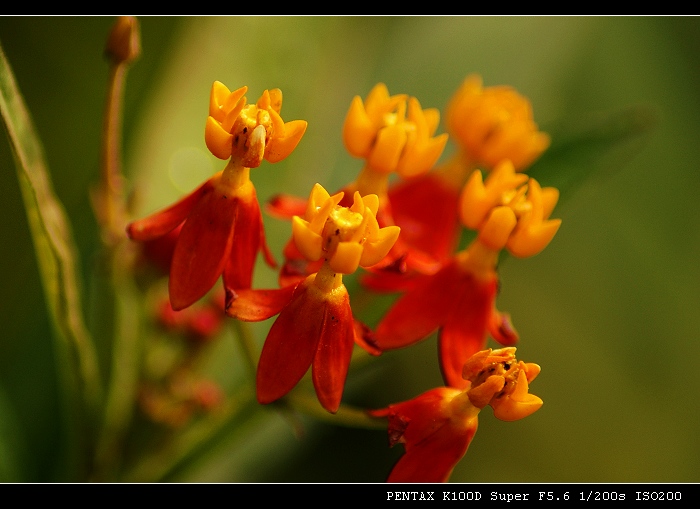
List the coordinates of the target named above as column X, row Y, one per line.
column 437, row 427
column 315, row 326
column 494, row 123
column 508, row 211
column 222, row 228
column 488, row 125
column 394, row 135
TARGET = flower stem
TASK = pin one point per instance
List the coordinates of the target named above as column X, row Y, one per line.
column 247, row 342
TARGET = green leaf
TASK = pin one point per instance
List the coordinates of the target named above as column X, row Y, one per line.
column 53, row 242
column 595, row 146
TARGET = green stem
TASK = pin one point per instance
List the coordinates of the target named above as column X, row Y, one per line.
column 123, row 46
column 347, row 415
column 247, row 342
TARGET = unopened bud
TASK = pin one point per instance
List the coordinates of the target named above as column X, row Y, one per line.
column 124, row 42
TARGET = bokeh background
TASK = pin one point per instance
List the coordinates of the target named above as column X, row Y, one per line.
column 609, row 310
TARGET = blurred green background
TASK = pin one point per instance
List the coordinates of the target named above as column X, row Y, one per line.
column 609, row 310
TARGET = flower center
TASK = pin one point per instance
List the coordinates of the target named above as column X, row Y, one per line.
column 342, row 225
column 245, row 144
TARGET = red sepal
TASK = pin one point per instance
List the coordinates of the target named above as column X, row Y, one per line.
column 257, row 305
column 433, row 459
column 203, row 248
column 291, row 344
column 163, row 221
column 434, row 439
column 464, row 331
column 249, row 240
column 332, row 359
column 426, row 209
column 420, row 311
column 285, row 206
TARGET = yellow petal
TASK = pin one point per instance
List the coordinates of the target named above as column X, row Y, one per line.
column 234, row 99
column 276, row 99
column 317, row 197
column 510, row 410
column 346, row 257
column 218, row 95
column 218, row 141
column 371, row 201
column 531, row 370
column 307, row 241
column 532, row 233
column 278, row 129
column 279, row 148
column 358, row 205
column 432, row 120
column 498, row 227
column 387, row 149
column 473, row 205
column 520, row 403
column 529, row 241
column 550, row 196
column 377, row 247
column 420, row 158
column 358, row 129
column 482, row 394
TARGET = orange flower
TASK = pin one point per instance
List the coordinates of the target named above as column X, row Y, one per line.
column 315, row 326
column 459, row 300
column 437, row 427
column 494, row 123
column 489, row 125
column 390, row 140
column 230, row 126
column 222, row 228
column 393, row 134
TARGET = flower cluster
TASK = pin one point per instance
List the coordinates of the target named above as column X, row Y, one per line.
column 403, row 233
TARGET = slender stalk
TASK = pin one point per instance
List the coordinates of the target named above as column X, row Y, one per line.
column 349, row 416
column 123, row 47
column 247, row 342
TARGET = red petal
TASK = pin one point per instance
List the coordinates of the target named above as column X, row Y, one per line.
column 285, row 206
column 291, row 344
column 501, row 328
column 364, row 338
column 162, row 222
column 426, row 210
column 332, row 360
column 159, row 251
column 203, row 248
column 427, row 412
column 464, row 332
column 386, row 281
column 412, row 258
column 433, row 459
column 248, row 239
column 421, row 310
column 257, row 305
